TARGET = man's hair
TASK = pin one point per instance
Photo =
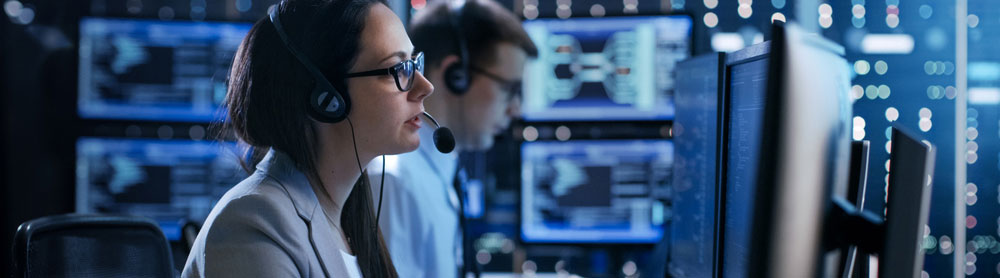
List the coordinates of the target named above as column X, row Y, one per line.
column 484, row 25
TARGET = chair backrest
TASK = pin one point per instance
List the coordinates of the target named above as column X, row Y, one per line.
column 75, row 245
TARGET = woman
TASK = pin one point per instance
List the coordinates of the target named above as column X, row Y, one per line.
column 307, row 210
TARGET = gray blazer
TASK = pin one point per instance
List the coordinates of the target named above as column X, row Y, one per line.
column 268, row 225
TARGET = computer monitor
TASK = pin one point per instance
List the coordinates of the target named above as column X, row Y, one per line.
column 594, row 191
column 806, row 135
column 170, row 181
column 140, row 69
column 746, row 75
column 854, row 261
column 696, row 133
column 896, row 236
column 911, row 166
column 602, row 69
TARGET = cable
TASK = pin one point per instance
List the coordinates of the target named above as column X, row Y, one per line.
column 381, row 185
column 355, row 141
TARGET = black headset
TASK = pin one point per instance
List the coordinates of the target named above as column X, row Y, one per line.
column 326, row 103
column 456, row 76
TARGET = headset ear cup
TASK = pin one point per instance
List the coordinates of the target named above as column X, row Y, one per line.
column 328, row 105
column 456, row 79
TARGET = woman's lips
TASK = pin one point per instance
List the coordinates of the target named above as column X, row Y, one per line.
column 414, row 122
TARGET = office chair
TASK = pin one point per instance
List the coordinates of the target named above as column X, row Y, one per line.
column 75, row 245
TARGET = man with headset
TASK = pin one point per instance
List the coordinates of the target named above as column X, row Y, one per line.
column 475, row 53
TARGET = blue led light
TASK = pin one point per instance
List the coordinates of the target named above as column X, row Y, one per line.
column 926, row 11
column 778, row 4
column 858, row 22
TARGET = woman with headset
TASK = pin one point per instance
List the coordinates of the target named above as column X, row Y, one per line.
column 317, row 89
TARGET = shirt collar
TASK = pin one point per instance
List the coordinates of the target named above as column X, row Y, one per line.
column 444, row 164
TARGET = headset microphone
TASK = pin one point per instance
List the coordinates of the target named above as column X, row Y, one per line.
column 444, row 140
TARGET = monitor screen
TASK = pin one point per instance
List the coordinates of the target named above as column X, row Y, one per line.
column 747, row 87
column 696, row 131
column 134, row 69
column 598, row 69
column 169, row 181
column 594, row 191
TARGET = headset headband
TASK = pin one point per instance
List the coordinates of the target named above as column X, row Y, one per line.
column 276, row 20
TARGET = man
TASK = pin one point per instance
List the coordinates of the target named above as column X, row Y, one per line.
column 475, row 54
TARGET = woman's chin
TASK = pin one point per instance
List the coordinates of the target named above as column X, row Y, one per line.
column 413, row 145
column 406, row 145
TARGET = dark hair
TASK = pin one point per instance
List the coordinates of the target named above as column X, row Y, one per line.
column 267, row 102
column 484, row 25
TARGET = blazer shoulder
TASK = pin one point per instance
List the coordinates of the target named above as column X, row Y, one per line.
column 255, row 230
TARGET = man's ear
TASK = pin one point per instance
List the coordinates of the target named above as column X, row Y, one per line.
column 445, row 63
column 436, row 74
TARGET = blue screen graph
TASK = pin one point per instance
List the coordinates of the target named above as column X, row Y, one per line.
column 594, row 191
column 134, row 69
column 169, row 181
column 597, row 69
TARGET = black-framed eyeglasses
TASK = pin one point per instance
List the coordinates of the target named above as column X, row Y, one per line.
column 511, row 86
column 404, row 72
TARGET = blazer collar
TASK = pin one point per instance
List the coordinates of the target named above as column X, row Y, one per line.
column 280, row 166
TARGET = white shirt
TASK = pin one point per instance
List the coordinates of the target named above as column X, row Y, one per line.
column 420, row 210
column 353, row 270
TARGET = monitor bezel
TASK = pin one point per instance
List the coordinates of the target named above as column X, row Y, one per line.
column 749, row 54
column 721, row 59
column 763, row 258
column 908, row 205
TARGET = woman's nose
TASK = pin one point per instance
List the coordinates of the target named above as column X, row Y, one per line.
column 421, row 89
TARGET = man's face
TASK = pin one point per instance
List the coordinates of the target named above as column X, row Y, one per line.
column 493, row 97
